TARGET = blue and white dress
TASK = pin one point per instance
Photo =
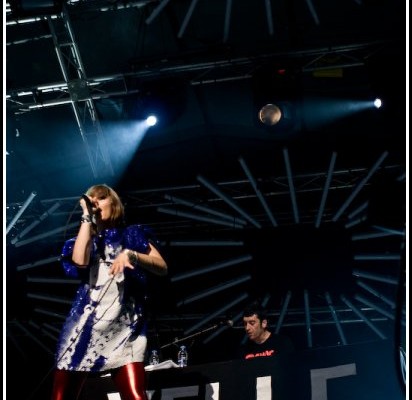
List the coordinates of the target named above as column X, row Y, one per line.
column 106, row 326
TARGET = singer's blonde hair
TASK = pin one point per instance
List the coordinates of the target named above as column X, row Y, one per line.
column 103, row 190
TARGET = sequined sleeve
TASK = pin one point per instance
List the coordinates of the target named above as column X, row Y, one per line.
column 69, row 266
column 137, row 237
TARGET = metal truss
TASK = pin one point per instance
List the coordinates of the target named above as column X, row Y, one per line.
column 93, row 88
column 81, row 91
column 190, row 202
column 82, row 103
column 75, row 91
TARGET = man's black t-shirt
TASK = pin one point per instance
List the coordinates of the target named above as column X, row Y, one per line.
column 274, row 345
column 278, row 351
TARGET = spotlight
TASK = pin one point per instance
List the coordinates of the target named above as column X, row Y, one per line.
column 280, row 117
column 151, row 120
column 378, row 103
column 270, row 114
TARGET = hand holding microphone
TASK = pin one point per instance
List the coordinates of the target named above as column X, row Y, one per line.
column 89, row 214
column 86, row 205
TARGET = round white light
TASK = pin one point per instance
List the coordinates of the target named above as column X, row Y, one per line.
column 378, row 103
column 151, row 120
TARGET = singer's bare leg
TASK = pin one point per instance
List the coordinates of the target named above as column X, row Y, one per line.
column 130, row 380
column 67, row 385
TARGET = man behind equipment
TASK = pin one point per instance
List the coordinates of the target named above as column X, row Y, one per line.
column 261, row 341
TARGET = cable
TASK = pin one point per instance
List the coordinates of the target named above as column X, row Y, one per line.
column 68, row 347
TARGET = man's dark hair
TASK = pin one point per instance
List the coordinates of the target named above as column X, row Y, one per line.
column 255, row 309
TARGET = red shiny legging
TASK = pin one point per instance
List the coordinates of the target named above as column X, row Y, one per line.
column 129, row 380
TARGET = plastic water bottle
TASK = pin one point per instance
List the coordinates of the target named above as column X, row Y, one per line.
column 154, row 358
column 182, row 357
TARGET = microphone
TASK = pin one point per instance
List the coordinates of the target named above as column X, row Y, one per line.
column 227, row 322
column 89, row 206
